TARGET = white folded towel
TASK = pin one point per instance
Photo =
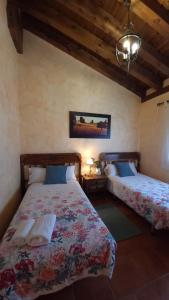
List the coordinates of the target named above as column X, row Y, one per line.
column 42, row 230
column 20, row 235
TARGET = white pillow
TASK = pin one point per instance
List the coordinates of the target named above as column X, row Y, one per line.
column 110, row 169
column 70, row 173
column 36, row 175
column 133, row 167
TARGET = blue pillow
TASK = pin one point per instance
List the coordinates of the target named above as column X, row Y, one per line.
column 55, row 174
column 124, row 169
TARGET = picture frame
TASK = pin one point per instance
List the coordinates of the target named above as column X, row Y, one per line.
column 89, row 125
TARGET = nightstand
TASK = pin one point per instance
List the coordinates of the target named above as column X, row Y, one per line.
column 94, row 183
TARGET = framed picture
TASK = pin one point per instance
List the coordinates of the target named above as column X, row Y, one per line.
column 89, row 125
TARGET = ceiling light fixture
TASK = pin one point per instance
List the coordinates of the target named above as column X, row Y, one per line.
column 128, row 45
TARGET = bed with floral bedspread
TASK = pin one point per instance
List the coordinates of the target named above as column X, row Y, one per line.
column 147, row 196
column 81, row 244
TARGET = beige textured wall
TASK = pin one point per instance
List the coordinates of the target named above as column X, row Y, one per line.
column 150, row 132
column 52, row 84
column 9, row 124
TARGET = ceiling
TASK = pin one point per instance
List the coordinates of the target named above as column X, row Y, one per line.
column 88, row 31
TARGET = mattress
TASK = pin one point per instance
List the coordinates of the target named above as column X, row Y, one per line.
column 81, row 244
column 147, row 196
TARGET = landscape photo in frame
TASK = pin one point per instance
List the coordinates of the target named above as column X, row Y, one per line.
column 89, row 125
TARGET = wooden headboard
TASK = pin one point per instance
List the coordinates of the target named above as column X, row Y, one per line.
column 45, row 160
column 108, row 157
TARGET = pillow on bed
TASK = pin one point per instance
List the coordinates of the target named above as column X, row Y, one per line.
column 110, row 169
column 36, row 175
column 124, row 169
column 133, row 167
column 70, row 173
column 55, row 174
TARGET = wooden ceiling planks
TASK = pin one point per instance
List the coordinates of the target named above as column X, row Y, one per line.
column 164, row 3
column 158, row 9
column 149, row 15
column 111, row 27
column 55, row 18
column 91, row 29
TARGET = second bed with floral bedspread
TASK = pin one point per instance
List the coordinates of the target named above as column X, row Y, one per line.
column 147, row 196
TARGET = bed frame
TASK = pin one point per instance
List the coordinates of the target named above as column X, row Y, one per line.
column 45, row 159
column 107, row 157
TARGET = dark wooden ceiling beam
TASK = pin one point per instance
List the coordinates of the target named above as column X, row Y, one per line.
column 159, row 9
column 155, row 94
column 150, row 17
column 154, row 58
column 67, row 45
column 15, row 24
column 56, row 19
column 113, row 29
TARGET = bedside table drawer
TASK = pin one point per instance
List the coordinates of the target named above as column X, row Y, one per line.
column 92, row 188
column 91, row 185
column 101, row 183
column 94, row 184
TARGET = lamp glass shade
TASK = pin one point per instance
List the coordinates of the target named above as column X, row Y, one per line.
column 127, row 49
column 90, row 161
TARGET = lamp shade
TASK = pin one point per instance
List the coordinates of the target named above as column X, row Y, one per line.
column 90, row 161
column 127, row 49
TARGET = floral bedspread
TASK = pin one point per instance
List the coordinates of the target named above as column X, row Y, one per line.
column 147, row 196
column 81, row 244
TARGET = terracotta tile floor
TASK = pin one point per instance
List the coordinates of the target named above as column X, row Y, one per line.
column 142, row 267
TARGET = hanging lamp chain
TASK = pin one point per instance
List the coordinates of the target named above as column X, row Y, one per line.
column 129, row 25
